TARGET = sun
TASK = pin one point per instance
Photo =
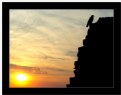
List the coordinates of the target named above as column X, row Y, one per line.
column 21, row 77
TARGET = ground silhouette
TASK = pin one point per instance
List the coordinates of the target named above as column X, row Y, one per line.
column 94, row 67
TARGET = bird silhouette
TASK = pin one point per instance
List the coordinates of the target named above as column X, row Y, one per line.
column 90, row 20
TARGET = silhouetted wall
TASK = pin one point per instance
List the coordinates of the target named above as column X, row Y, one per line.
column 94, row 67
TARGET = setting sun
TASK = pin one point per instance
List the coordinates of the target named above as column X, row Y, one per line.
column 21, row 77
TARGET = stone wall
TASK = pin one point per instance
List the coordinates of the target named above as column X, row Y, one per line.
column 94, row 67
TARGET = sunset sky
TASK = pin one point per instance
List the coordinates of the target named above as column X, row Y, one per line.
column 44, row 44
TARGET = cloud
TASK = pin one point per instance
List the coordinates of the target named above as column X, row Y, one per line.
column 49, row 39
column 45, row 42
column 39, row 70
column 59, row 70
column 55, row 58
column 71, row 53
column 27, row 69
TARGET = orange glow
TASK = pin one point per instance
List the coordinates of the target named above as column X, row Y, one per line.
column 19, row 79
column 29, row 80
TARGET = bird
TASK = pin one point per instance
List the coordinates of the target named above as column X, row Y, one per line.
column 90, row 20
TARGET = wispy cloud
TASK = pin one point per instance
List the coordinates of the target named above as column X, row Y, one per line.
column 49, row 39
column 27, row 69
column 48, row 36
column 39, row 70
column 71, row 53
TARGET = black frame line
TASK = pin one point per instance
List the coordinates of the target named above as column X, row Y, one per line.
column 6, row 6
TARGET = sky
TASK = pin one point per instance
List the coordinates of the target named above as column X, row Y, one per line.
column 44, row 44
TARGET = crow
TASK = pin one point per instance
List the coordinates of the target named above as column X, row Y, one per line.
column 90, row 20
